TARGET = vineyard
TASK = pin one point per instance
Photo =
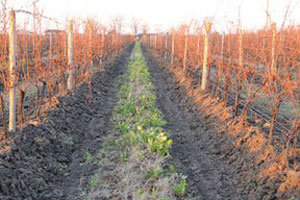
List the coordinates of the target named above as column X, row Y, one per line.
column 88, row 111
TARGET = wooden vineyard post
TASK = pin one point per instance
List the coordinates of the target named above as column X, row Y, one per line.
column 112, row 40
column 50, row 49
column 198, row 48
column 186, row 40
column 219, row 66
column 273, row 68
column 12, row 71
column 222, row 46
column 102, row 45
column 205, row 73
column 155, row 38
column 70, row 56
column 166, row 46
column 273, row 84
column 91, row 46
column 240, row 48
column 90, row 74
column 238, row 71
column 149, row 41
column 173, row 46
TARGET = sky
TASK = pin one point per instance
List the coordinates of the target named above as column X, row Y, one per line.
column 160, row 15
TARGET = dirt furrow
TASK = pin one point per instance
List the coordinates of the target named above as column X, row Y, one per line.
column 194, row 152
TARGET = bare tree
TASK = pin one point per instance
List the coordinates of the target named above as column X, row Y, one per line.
column 135, row 25
column 145, row 28
column 117, row 23
column 3, row 14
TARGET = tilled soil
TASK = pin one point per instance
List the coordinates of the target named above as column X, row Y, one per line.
column 47, row 161
column 215, row 168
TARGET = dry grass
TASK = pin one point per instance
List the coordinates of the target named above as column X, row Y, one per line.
column 292, row 181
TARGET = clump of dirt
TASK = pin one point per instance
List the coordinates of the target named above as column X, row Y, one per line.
column 221, row 160
column 46, row 161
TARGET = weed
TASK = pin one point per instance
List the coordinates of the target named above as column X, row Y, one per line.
column 124, row 127
column 89, row 158
column 172, row 169
column 123, row 157
column 69, row 140
column 140, row 154
column 293, row 198
column 154, row 173
column 180, row 188
column 127, row 109
column 139, row 192
column 87, row 198
column 94, row 182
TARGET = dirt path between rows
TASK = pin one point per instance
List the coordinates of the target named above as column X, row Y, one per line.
column 193, row 152
column 47, row 161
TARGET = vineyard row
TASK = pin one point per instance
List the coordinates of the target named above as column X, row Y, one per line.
column 43, row 64
column 251, row 71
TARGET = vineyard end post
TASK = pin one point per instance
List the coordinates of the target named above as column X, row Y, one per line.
column 70, row 56
column 12, row 71
column 205, row 72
